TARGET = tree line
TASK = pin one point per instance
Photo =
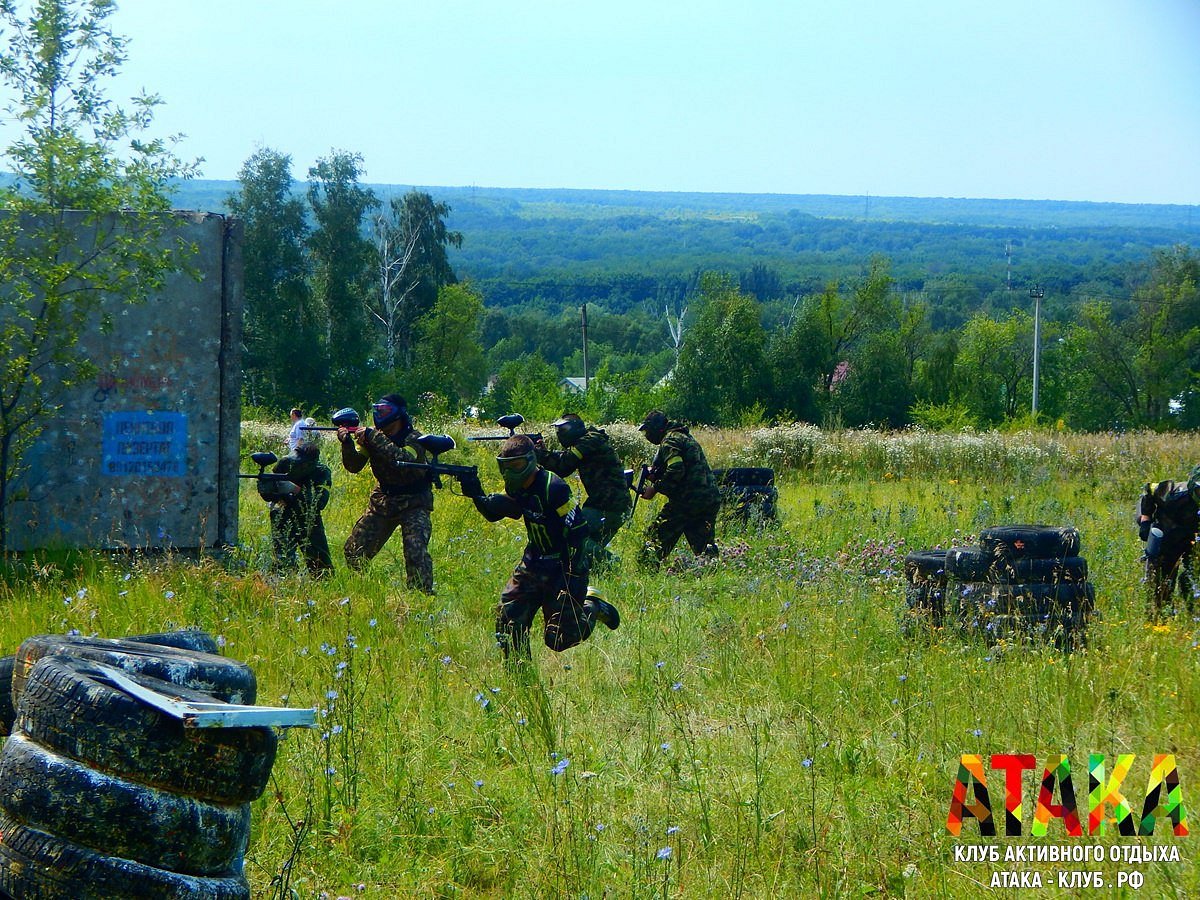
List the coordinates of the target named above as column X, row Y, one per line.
column 346, row 297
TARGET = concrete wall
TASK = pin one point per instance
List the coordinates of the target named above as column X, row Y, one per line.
column 146, row 455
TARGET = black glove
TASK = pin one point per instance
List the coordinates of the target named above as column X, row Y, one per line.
column 471, row 485
column 1144, row 529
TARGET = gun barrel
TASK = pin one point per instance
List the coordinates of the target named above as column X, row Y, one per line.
column 532, row 435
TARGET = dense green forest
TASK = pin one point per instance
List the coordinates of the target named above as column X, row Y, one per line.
column 722, row 308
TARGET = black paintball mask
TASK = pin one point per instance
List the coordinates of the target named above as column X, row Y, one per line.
column 569, row 429
column 389, row 409
column 654, row 426
column 517, row 461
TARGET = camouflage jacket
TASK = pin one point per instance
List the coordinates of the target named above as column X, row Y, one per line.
column 1171, row 507
column 599, row 467
column 383, row 453
column 312, row 477
column 680, row 471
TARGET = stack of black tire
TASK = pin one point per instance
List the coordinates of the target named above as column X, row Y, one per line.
column 925, row 590
column 1022, row 581
column 748, row 495
column 104, row 796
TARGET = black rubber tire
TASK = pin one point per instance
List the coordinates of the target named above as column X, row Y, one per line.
column 1039, row 599
column 1034, row 569
column 750, row 504
column 8, row 713
column 226, row 679
column 968, row 564
column 122, row 818
column 921, row 566
column 926, row 600
column 1020, row 541
column 185, row 639
column 70, row 707
column 34, row 864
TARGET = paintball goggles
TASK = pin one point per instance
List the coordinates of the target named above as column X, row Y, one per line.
column 512, row 422
column 343, row 418
column 271, row 486
column 435, row 445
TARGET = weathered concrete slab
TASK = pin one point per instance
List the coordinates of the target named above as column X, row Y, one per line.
column 146, row 456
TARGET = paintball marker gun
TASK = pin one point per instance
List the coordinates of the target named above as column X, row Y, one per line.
column 512, row 422
column 343, row 418
column 639, row 487
column 271, row 486
column 435, row 445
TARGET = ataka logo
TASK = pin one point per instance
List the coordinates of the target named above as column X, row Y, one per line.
column 1164, row 797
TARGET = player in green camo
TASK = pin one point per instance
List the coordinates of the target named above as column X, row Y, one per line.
column 296, row 519
column 589, row 451
column 402, row 498
column 681, row 473
column 553, row 573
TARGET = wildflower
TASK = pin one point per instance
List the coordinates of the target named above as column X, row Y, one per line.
column 482, row 700
column 373, row 623
column 677, row 686
column 337, row 729
column 81, row 593
column 330, row 770
column 494, row 690
column 446, row 660
column 977, row 732
column 665, row 746
column 659, row 664
column 331, row 695
column 672, row 829
column 664, row 853
column 122, row 593
column 220, row 639
column 343, row 601
column 560, row 766
column 126, row 577
column 170, row 595
column 600, row 826
column 903, row 678
column 478, row 782
column 806, row 762
column 522, row 721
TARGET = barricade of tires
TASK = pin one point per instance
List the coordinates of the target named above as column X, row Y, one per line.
column 1022, row 581
column 105, row 796
column 748, row 495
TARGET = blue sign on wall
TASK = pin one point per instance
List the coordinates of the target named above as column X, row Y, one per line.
column 145, row 443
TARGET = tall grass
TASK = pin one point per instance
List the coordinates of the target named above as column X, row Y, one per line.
column 757, row 727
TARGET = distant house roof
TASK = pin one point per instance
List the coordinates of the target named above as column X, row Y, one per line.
column 573, row 385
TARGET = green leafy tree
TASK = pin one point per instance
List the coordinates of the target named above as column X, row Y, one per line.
column 722, row 369
column 451, row 362
column 342, row 264
column 410, row 241
column 1129, row 371
column 86, row 217
column 995, row 365
column 284, row 334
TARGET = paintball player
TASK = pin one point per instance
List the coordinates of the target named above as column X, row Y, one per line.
column 589, row 451
column 401, row 497
column 681, row 473
column 552, row 575
column 296, row 519
column 1167, row 522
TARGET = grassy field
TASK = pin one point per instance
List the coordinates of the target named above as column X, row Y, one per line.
column 757, row 727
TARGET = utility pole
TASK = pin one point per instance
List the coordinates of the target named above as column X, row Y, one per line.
column 1037, row 292
column 583, row 314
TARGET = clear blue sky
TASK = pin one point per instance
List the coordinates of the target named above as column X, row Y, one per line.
column 1034, row 99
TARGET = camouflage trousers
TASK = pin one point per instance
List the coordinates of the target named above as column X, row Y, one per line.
column 672, row 523
column 295, row 527
column 558, row 593
column 602, row 528
column 413, row 516
column 1172, row 567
